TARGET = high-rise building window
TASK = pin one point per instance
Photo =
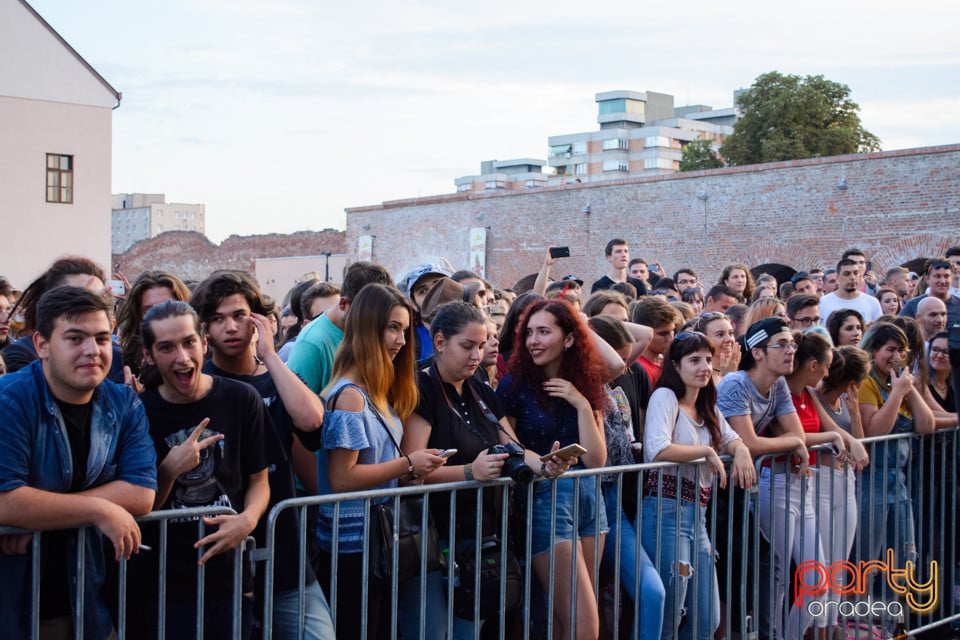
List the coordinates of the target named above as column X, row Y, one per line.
column 611, row 144
column 580, row 169
column 59, row 178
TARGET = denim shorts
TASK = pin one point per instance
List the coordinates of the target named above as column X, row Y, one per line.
column 591, row 520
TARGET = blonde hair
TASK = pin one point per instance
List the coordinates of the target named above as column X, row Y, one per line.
column 762, row 308
column 389, row 383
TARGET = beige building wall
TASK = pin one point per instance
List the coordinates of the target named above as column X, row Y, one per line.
column 278, row 275
column 51, row 101
column 36, row 232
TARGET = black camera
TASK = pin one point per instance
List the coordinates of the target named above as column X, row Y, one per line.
column 514, row 467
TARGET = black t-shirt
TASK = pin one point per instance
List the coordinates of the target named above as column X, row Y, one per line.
column 221, row 479
column 460, row 424
column 636, row 386
column 606, row 282
column 54, row 585
column 279, row 441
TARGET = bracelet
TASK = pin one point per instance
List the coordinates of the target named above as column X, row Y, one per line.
column 543, row 469
column 411, row 474
column 468, row 471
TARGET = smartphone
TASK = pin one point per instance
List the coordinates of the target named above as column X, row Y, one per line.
column 570, row 451
column 446, row 453
column 117, row 287
column 559, row 252
column 654, row 268
column 869, row 265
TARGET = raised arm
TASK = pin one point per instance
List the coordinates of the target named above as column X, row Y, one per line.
column 304, row 406
column 543, row 278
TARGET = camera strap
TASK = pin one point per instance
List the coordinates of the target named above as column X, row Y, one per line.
column 487, row 413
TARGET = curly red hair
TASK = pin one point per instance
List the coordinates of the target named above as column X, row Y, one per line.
column 581, row 364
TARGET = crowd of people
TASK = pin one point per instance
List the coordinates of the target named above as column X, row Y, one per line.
column 186, row 395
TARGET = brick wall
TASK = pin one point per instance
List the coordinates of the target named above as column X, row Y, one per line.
column 191, row 256
column 896, row 205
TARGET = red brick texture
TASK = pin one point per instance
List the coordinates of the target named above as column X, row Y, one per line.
column 191, row 256
column 896, row 206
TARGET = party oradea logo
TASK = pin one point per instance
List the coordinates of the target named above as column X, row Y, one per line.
column 845, row 583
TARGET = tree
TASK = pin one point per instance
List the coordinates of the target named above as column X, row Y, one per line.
column 787, row 117
column 699, row 154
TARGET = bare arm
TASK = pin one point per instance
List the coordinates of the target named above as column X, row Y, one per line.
column 923, row 420
column 305, row 467
column 134, row 498
column 589, row 422
column 614, row 363
column 303, row 405
column 641, row 335
column 30, row 508
column 850, row 443
column 345, row 473
column 416, row 435
column 540, row 284
column 758, row 446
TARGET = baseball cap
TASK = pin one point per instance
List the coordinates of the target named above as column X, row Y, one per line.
column 763, row 329
column 410, row 280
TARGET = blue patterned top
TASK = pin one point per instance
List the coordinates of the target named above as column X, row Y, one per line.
column 359, row 431
column 540, row 419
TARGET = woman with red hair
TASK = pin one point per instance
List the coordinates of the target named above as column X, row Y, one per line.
column 553, row 396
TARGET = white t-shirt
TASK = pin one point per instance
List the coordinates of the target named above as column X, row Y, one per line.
column 666, row 424
column 867, row 306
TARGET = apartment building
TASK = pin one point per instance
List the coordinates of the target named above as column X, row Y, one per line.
column 641, row 133
column 138, row 216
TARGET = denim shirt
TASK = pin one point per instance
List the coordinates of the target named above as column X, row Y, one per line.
column 36, row 453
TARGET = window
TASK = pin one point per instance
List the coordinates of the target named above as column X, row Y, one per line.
column 615, row 165
column 657, row 141
column 59, row 178
column 579, row 148
column 616, row 144
column 560, row 150
column 659, row 163
column 580, row 169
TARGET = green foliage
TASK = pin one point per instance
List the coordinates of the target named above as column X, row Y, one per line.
column 699, row 154
column 787, row 117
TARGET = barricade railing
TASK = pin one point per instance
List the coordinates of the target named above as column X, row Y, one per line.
column 772, row 577
column 119, row 607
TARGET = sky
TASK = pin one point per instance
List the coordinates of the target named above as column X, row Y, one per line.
column 278, row 115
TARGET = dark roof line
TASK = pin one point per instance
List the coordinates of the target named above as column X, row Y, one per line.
column 73, row 51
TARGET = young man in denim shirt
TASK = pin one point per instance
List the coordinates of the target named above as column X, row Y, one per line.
column 76, row 451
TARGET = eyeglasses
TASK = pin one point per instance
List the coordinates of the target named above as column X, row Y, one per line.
column 941, row 265
column 934, row 351
column 807, row 322
column 788, row 346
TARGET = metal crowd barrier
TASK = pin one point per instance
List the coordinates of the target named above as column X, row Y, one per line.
column 763, row 589
column 162, row 520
